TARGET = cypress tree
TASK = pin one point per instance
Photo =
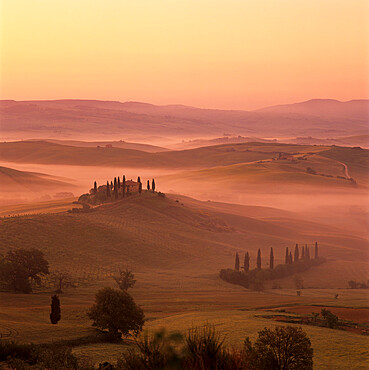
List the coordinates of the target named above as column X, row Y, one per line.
column 237, row 262
column 287, row 257
column 316, row 250
column 258, row 260
column 307, row 253
column 124, row 186
column 118, row 183
column 271, row 259
column 95, row 187
column 148, row 185
column 107, row 189
column 297, row 253
column 140, row 187
column 290, row 259
column 139, row 179
column 153, row 185
column 55, row 314
column 246, row 262
column 303, row 252
column 111, row 184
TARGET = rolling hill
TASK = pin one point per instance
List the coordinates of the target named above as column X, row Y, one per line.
column 74, row 118
column 156, row 233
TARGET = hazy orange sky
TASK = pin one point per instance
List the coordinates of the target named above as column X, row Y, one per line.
column 240, row 54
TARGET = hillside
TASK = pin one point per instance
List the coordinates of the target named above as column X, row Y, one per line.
column 21, row 181
column 152, row 232
column 204, row 157
column 75, row 118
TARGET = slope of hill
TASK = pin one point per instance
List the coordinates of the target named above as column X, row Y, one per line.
column 152, row 232
column 19, row 181
column 72, row 118
column 204, row 157
column 116, row 144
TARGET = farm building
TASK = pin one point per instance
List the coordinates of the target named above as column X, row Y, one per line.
column 132, row 186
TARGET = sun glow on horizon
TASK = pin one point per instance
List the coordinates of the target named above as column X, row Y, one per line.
column 233, row 54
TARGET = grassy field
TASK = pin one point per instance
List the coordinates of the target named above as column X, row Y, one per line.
column 176, row 247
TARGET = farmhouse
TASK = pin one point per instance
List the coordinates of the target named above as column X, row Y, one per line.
column 285, row 156
column 132, row 186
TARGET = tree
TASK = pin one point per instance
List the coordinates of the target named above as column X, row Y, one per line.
column 287, row 257
column 331, row 320
column 116, row 311
column 125, row 279
column 299, row 283
column 153, row 185
column 62, row 280
column 139, row 187
column 258, row 260
column 138, row 179
column 316, row 250
column 307, row 252
column 107, row 189
column 21, row 267
column 303, row 252
column 246, row 263
column 118, row 183
column 271, row 259
column 124, row 186
column 148, row 184
column 297, row 253
column 237, row 262
column 284, row 347
column 55, row 314
column 290, row 258
column 115, row 188
column 95, row 187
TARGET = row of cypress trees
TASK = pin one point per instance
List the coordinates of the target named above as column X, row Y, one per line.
column 119, row 188
column 305, row 255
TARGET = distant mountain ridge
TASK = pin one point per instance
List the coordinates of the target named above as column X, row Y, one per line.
column 71, row 118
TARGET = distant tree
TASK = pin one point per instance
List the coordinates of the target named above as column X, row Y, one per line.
column 118, row 182
column 303, row 252
column 307, row 252
column 55, row 314
column 62, row 280
column 21, row 267
column 316, row 250
column 124, row 186
column 138, row 179
column 116, row 311
column 284, row 347
column 111, row 185
column 115, row 188
column 125, row 279
column 95, row 187
column 140, row 187
column 153, row 185
column 246, row 263
column 297, row 253
column 299, row 283
column 148, row 185
column 258, row 260
column 271, row 259
column 290, row 259
column 287, row 257
column 331, row 320
column 237, row 262
column 108, row 189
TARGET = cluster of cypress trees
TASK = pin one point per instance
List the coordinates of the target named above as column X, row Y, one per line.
column 120, row 189
column 305, row 255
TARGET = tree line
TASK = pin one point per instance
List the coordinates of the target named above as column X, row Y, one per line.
column 114, row 190
column 255, row 278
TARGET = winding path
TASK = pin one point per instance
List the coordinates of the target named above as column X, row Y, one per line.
column 345, row 170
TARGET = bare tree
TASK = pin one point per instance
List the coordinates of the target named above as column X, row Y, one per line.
column 62, row 280
column 125, row 279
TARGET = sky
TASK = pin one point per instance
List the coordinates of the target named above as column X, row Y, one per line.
column 230, row 54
